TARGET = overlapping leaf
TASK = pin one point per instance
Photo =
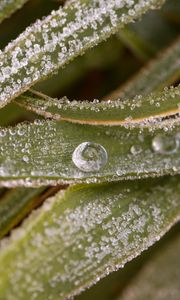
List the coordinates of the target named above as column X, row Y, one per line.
column 139, row 111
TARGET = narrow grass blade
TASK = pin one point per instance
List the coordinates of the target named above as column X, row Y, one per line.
column 15, row 205
column 140, row 111
column 63, row 35
column 49, row 152
column 8, row 7
column 160, row 72
column 84, row 233
column 159, row 277
column 138, row 46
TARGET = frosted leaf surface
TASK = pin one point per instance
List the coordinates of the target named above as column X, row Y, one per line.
column 141, row 111
column 83, row 234
column 58, row 38
column 41, row 153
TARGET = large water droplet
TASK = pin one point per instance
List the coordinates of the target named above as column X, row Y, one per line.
column 165, row 144
column 89, row 157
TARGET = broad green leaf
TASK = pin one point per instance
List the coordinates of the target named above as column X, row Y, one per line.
column 140, row 111
column 160, row 72
column 158, row 279
column 84, row 233
column 7, row 7
column 15, row 205
column 63, row 35
column 49, row 152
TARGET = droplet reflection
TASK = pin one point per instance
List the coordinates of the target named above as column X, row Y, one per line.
column 165, row 144
column 89, row 157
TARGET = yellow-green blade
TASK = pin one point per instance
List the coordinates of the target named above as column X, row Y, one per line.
column 140, row 111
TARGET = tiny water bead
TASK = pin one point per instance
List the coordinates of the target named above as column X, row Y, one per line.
column 165, row 144
column 89, row 157
column 136, row 149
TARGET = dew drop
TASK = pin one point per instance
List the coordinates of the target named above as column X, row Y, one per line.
column 136, row 149
column 25, row 158
column 165, row 144
column 89, row 157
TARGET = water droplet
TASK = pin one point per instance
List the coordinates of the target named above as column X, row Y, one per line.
column 165, row 144
column 89, row 157
column 136, row 149
column 25, row 158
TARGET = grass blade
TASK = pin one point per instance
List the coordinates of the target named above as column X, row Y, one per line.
column 49, row 152
column 15, row 205
column 140, row 111
column 57, row 39
column 62, row 253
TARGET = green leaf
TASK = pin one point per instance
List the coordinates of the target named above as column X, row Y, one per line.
column 49, row 152
column 57, row 39
column 15, row 205
column 140, row 111
column 8, row 7
column 159, row 278
column 160, row 72
column 84, row 233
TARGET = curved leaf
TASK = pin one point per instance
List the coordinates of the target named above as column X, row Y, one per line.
column 44, row 153
column 8, row 7
column 57, row 39
column 140, row 111
column 84, row 233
